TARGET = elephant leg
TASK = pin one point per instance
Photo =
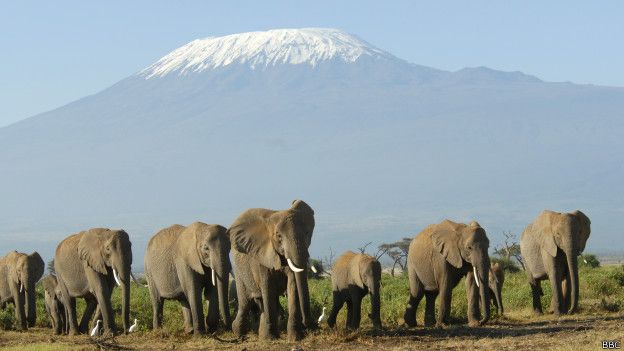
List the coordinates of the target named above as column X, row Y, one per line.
column 194, row 298
column 446, row 295
column 157, row 308
column 417, row 291
column 240, row 323
column 430, row 298
column 493, row 301
column 555, row 277
column 349, row 312
column 356, row 305
column 565, row 292
column 472, row 295
column 339, row 301
column 187, row 316
column 70, row 310
column 536, row 292
column 212, row 318
column 91, row 305
column 268, row 318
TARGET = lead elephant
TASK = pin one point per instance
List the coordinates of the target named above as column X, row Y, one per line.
column 353, row 276
column 53, row 304
column 437, row 259
column 181, row 263
column 550, row 246
column 497, row 278
column 19, row 273
column 87, row 265
column 270, row 250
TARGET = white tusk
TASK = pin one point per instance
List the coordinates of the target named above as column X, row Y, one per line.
column 116, row 277
column 474, row 271
column 495, row 278
column 214, row 279
column 293, row 267
column 21, row 287
column 313, row 269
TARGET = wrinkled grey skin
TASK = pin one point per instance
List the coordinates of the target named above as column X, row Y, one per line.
column 193, row 252
column 497, row 278
column 354, row 276
column 84, row 264
column 53, row 304
column 262, row 241
column 438, row 258
column 19, row 273
column 550, row 246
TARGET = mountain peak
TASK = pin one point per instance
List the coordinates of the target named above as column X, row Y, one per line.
column 260, row 50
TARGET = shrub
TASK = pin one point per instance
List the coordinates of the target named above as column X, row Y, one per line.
column 588, row 260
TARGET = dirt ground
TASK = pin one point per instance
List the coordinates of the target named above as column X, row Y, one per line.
column 582, row 332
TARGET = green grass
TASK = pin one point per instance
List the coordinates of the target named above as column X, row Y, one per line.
column 601, row 290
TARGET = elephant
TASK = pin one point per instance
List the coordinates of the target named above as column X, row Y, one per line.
column 550, row 246
column 353, row 276
column 19, row 273
column 497, row 278
column 53, row 304
column 270, row 250
column 87, row 265
column 181, row 263
column 437, row 259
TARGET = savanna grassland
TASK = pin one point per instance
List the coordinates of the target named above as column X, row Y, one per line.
column 601, row 318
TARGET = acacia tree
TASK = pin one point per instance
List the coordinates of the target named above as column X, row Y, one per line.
column 397, row 251
column 510, row 250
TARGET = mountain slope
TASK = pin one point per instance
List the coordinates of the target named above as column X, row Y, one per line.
column 378, row 146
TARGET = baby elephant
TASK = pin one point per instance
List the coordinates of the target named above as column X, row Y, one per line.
column 497, row 277
column 53, row 304
column 353, row 276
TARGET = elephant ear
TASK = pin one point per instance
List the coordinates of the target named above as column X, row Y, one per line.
column 251, row 234
column 188, row 246
column 584, row 230
column 36, row 265
column 355, row 269
column 49, row 284
column 548, row 243
column 90, row 250
column 445, row 239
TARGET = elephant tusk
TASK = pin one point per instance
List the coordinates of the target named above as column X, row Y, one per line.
column 21, row 287
column 116, row 277
column 293, row 267
column 214, row 279
column 313, row 269
column 474, row 271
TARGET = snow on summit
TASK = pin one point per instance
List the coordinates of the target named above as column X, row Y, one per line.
column 263, row 49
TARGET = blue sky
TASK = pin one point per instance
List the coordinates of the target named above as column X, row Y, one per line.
column 55, row 52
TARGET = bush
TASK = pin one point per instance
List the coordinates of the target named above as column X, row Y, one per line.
column 588, row 260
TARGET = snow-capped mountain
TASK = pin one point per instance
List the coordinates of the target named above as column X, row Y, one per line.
column 259, row 50
column 380, row 147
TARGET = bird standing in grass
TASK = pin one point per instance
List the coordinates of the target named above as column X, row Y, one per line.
column 320, row 319
column 96, row 330
column 133, row 327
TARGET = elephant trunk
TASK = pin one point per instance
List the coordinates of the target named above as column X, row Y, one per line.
column 482, row 275
column 31, row 302
column 375, row 305
column 573, row 285
column 124, row 274
column 223, row 281
column 499, row 299
column 301, row 279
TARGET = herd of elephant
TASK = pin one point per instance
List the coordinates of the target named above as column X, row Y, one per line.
column 270, row 253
